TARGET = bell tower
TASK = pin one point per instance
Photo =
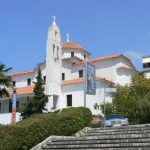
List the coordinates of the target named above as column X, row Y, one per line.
column 53, row 64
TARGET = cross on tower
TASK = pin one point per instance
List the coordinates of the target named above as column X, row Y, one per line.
column 54, row 20
column 68, row 37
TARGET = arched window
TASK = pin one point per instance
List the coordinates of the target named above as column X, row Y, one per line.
column 57, row 51
column 53, row 49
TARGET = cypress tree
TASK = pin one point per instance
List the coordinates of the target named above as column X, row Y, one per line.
column 36, row 104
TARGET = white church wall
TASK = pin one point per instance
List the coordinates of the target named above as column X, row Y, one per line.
column 78, row 95
column 71, row 70
column 21, row 80
column 43, row 70
column 75, row 71
column 122, row 62
column 53, row 60
column 124, row 77
column 67, row 53
column 106, row 69
column 66, row 68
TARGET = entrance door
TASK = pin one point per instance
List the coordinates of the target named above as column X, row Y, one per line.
column 55, row 102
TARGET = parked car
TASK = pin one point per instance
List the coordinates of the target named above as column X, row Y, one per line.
column 115, row 120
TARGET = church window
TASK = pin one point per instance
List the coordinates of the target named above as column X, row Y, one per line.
column 53, row 49
column 55, row 33
column 72, row 54
column 63, row 76
column 57, row 51
column 44, row 78
column 84, row 56
column 80, row 73
column 14, row 83
column 69, row 100
column 28, row 81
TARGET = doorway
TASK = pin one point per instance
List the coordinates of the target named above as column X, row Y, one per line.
column 55, row 101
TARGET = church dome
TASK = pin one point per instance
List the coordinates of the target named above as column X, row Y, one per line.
column 71, row 45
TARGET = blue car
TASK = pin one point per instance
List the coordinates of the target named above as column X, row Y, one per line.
column 115, row 120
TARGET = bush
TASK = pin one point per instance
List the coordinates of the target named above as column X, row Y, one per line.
column 33, row 130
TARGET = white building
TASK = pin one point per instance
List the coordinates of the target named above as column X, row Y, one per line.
column 63, row 73
column 146, row 65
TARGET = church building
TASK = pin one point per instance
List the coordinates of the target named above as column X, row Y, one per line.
column 63, row 73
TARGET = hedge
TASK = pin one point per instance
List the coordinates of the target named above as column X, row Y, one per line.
column 35, row 129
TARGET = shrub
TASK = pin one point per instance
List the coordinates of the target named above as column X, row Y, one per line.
column 33, row 130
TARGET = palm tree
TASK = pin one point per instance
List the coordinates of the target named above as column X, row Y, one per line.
column 5, row 81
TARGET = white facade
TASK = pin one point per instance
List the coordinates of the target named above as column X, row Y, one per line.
column 146, row 66
column 63, row 72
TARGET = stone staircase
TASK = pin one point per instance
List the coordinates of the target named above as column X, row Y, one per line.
column 136, row 137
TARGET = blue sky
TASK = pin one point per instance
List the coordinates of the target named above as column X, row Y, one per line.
column 102, row 27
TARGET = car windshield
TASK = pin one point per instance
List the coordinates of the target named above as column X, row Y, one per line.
column 109, row 117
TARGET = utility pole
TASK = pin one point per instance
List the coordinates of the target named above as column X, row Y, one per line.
column 85, row 81
column 14, row 99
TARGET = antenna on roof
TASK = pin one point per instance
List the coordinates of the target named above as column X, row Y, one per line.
column 68, row 37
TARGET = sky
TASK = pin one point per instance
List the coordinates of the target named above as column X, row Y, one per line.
column 103, row 27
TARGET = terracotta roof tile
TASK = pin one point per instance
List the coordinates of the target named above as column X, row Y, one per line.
column 124, row 68
column 71, row 45
column 29, row 89
column 104, row 57
column 20, row 73
column 22, row 90
column 80, row 80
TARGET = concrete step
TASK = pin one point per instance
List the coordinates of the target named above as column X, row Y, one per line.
column 101, row 130
column 70, row 142
column 116, row 133
column 117, row 145
column 106, row 137
column 129, row 126
column 121, row 138
column 139, row 148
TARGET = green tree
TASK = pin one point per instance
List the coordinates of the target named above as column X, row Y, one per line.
column 97, row 107
column 134, row 100
column 5, row 81
column 36, row 104
column 108, row 108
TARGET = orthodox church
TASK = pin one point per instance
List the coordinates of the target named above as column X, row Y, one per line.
column 63, row 74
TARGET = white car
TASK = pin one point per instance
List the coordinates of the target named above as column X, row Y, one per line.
column 115, row 120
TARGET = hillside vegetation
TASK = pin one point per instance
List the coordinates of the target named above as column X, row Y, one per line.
column 35, row 129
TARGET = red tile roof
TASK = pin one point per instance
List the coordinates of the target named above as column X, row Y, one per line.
column 110, row 57
column 71, row 45
column 22, row 90
column 104, row 57
column 124, row 68
column 29, row 89
column 20, row 73
column 80, row 80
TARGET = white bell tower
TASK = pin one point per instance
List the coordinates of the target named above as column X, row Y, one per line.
column 53, row 66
